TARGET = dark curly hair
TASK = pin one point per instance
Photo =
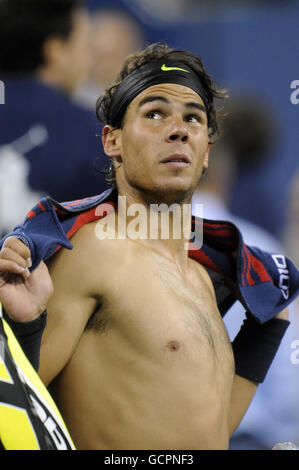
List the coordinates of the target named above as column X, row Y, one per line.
column 155, row 52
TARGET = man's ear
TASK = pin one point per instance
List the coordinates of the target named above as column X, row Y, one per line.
column 206, row 158
column 53, row 50
column 111, row 139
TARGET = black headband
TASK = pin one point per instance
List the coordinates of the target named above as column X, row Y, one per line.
column 150, row 74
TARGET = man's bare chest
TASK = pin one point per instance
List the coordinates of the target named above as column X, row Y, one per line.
column 151, row 305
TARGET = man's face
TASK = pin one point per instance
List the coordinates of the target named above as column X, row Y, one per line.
column 164, row 141
column 75, row 57
column 114, row 37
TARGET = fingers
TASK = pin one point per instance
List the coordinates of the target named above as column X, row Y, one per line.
column 18, row 247
column 12, row 263
column 15, row 258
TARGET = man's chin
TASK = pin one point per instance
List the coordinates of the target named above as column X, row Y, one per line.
column 169, row 194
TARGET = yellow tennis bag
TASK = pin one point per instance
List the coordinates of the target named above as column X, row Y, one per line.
column 29, row 418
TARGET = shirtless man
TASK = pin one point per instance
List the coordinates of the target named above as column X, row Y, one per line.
column 135, row 349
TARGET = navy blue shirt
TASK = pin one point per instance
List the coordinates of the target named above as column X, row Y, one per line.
column 54, row 144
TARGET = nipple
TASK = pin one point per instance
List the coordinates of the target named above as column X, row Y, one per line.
column 173, row 345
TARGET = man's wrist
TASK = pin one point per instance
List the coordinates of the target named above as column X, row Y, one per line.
column 26, row 327
column 25, row 319
column 29, row 335
column 256, row 345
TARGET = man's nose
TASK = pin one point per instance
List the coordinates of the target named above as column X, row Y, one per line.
column 178, row 131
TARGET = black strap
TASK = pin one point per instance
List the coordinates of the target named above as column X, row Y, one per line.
column 29, row 335
column 256, row 345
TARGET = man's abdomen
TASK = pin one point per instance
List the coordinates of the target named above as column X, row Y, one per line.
column 115, row 396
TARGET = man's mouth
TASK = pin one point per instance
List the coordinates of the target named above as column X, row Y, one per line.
column 176, row 161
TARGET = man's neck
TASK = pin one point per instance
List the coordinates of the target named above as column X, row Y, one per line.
column 162, row 227
column 52, row 79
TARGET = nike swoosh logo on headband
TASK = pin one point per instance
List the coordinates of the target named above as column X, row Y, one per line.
column 167, row 69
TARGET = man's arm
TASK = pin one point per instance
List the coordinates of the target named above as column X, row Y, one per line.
column 77, row 285
column 242, row 394
column 243, row 389
column 24, row 296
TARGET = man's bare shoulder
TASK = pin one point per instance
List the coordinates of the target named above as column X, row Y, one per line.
column 90, row 260
column 94, row 243
column 87, row 242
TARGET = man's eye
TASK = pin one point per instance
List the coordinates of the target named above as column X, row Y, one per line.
column 153, row 114
column 193, row 118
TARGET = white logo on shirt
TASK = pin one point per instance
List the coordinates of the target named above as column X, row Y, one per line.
column 284, row 278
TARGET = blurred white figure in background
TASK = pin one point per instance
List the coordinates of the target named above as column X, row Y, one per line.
column 16, row 197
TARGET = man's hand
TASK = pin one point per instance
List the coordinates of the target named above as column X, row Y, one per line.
column 283, row 315
column 24, row 295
